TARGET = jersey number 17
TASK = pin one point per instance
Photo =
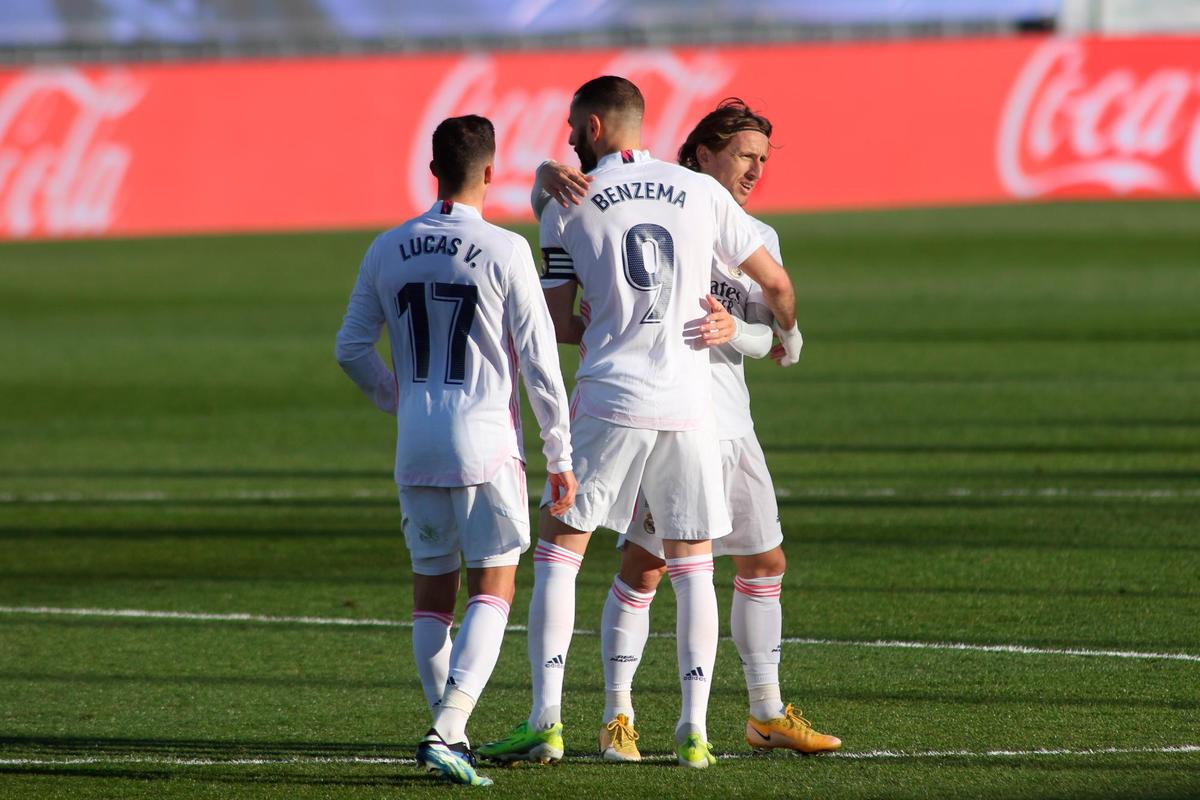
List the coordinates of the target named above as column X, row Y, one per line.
column 411, row 300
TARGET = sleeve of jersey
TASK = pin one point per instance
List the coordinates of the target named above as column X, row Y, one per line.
column 532, row 332
column 737, row 236
column 355, row 344
column 538, row 197
column 557, row 265
column 752, row 339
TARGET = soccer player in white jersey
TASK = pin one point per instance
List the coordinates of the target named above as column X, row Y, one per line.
column 464, row 312
column 640, row 249
column 732, row 143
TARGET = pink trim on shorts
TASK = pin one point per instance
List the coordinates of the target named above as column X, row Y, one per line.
column 522, row 484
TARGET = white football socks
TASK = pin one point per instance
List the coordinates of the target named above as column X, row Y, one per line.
column 551, row 623
column 472, row 660
column 756, row 622
column 624, row 629
column 431, row 650
column 696, row 634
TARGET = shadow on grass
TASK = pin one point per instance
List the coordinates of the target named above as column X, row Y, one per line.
column 136, row 533
column 167, row 473
column 209, row 774
column 142, row 679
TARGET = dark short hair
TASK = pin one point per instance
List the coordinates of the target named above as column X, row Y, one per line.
column 461, row 147
column 730, row 117
column 610, row 93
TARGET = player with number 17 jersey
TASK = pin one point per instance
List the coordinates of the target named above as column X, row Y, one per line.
column 463, row 308
column 658, row 225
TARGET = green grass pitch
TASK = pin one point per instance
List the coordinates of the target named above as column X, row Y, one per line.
column 993, row 439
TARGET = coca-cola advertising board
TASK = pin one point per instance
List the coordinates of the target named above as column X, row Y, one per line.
column 301, row 144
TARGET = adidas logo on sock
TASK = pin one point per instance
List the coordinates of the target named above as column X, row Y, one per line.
column 777, row 648
column 558, row 662
column 451, row 682
column 624, row 659
column 696, row 674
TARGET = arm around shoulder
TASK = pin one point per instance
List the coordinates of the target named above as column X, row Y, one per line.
column 776, row 286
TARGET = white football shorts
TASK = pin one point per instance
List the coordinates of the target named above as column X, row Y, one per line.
column 679, row 473
column 750, row 498
column 488, row 523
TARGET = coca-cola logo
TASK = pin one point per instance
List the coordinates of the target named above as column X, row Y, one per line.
column 531, row 124
column 59, row 175
column 1070, row 124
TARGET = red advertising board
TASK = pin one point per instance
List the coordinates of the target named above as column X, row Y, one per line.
column 344, row 142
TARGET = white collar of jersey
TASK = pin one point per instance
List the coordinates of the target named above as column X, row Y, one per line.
column 453, row 209
column 623, row 157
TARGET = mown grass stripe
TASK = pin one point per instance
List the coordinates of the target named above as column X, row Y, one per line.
column 193, row 616
column 153, row 497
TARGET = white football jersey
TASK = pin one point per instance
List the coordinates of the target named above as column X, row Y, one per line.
column 464, row 310
column 641, row 247
column 737, row 291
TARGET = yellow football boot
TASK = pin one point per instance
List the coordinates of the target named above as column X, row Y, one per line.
column 791, row 731
column 694, row 752
column 618, row 740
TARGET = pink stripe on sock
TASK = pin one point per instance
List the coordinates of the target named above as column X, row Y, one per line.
column 490, row 600
column 757, row 590
column 626, row 599
column 445, row 619
column 553, row 554
column 679, row 570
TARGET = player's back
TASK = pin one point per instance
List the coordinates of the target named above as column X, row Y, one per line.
column 641, row 246
column 443, row 280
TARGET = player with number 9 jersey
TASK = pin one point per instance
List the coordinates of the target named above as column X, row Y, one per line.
column 657, row 226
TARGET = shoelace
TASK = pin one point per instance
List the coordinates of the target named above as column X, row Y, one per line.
column 467, row 754
column 795, row 719
column 620, row 732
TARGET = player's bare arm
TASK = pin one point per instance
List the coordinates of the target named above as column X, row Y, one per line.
column 568, row 326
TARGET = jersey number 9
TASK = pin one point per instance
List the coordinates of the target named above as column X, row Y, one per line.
column 650, row 267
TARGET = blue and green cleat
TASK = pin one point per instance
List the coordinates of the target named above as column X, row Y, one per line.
column 455, row 762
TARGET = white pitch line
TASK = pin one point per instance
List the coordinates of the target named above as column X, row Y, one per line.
column 866, row 493
column 196, row 616
column 193, row 616
column 373, row 760
column 996, row 648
